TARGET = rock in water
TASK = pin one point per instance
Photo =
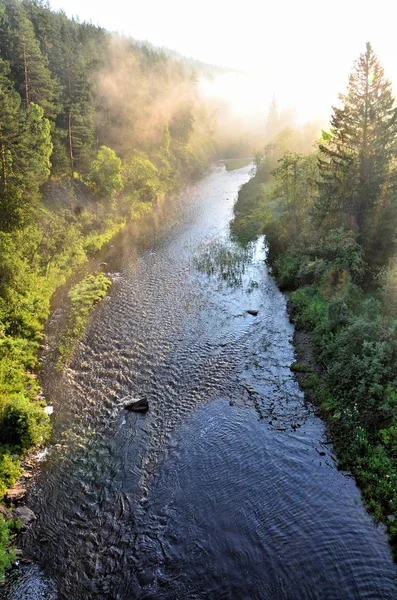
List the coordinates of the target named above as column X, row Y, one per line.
column 24, row 514
column 253, row 312
column 137, row 404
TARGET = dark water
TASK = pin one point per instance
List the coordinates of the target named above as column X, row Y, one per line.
column 219, row 491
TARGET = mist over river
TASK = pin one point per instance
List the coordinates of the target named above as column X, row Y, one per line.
column 226, row 489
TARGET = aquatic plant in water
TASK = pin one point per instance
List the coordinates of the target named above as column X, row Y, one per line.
column 224, row 260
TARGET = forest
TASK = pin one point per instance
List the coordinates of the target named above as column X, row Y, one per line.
column 330, row 217
column 94, row 130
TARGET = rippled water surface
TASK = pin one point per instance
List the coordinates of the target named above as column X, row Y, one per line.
column 226, row 488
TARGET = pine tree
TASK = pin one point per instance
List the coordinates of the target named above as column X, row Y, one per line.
column 34, row 149
column 356, row 158
column 77, row 117
column 9, row 113
column 10, row 192
column 25, row 149
column 29, row 67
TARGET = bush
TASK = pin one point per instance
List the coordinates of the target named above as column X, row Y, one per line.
column 104, row 178
column 6, row 557
column 23, row 424
column 307, row 309
column 9, row 471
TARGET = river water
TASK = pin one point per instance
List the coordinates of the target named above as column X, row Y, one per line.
column 226, row 489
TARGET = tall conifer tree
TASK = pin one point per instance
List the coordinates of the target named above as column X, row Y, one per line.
column 356, row 163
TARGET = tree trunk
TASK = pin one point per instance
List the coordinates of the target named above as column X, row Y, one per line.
column 70, row 129
column 294, row 202
column 26, row 73
column 363, row 152
column 70, row 119
column 3, row 158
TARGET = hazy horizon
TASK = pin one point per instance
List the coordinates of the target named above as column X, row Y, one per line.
column 301, row 54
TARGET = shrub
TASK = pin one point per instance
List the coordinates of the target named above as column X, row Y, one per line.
column 23, row 423
column 6, row 557
column 9, row 471
column 104, row 178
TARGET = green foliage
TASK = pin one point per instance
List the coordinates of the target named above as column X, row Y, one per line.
column 91, row 290
column 9, row 470
column 7, row 557
column 308, row 308
column 35, row 147
column 295, row 189
column 359, row 351
column 249, row 212
column 142, row 182
column 23, row 424
column 30, row 68
column 26, row 149
column 357, row 163
column 104, row 177
column 297, row 367
column 330, row 259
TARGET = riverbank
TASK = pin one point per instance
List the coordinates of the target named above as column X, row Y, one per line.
column 345, row 333
column 68, row 245
column 24, row 423
column 363, row 438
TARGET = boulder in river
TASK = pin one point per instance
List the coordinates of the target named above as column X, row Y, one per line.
column 252, row 312
column 24, row 514
column 137, row 404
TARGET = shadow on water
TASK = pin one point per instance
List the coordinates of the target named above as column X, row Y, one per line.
column 226, row 488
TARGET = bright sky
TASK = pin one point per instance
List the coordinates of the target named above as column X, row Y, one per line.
column 301, row 50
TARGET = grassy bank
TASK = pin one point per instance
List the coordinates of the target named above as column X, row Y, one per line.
column 83, row 297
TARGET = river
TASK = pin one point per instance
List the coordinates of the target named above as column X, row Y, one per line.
column 227, row 488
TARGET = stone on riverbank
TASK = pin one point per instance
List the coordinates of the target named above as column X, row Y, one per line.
column 16, row 493
column 24, row 514
column 137, row 405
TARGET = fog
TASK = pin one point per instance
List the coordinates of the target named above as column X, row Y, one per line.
column 140, row 99
column 300, row 52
